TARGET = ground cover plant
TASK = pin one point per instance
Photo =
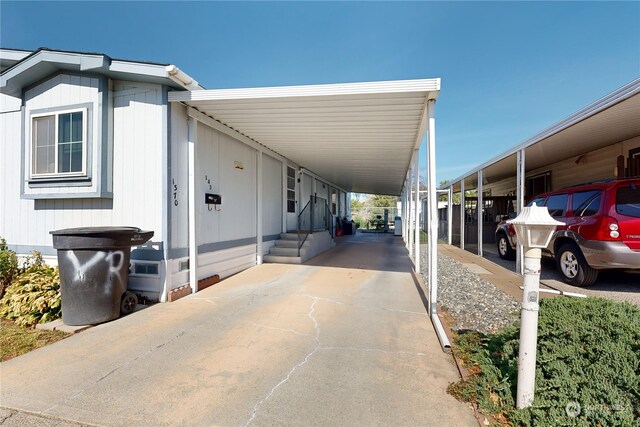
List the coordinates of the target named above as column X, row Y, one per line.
column 16, row 340
column 587, row 370
column 32, row 294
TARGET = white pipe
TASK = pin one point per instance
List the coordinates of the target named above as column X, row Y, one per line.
column 442, row 336
column 192, row 126
column 416, row 255
column 528, row 329
column 557, row 292
column 182, row 78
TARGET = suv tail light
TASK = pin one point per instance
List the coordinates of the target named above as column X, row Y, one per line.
column 608, row 229
column 511, row 230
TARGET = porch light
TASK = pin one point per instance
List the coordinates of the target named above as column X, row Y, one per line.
column 534, row 226
column 534, row 229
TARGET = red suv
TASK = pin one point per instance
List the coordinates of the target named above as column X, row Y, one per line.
column 602, row 229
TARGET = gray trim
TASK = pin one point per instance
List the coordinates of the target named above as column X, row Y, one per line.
column 90, row 141
column 28, row 249
column 166, row 169
column 271, row 237
column 211, row 247
column 87, row 195
column 218, row 246
column 23, row 131
column 102, row 139
column 148, row 253
column 142, row 253
column 177, row 253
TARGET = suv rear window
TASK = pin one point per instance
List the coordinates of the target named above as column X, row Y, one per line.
column 557, row 204
column 585, row 203
column 628, row 201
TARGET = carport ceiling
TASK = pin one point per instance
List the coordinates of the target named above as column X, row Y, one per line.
column 359, row 136
column 610, row 120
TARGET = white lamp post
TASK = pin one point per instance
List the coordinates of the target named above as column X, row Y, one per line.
column 534, row 228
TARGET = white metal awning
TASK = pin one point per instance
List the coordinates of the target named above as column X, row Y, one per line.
column 359, row 136
column 611, row 119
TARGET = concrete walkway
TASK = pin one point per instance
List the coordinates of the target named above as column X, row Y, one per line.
column 342, row 340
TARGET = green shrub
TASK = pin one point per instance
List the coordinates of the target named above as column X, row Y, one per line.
column 34, row 296
column 587, row 368
column 9, row 267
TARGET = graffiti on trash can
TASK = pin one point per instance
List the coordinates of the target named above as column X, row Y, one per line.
column 110, row 257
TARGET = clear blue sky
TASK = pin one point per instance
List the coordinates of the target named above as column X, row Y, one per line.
column 508, row 69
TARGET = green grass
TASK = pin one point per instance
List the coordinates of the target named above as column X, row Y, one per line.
column 588, row 355
column 16, row 340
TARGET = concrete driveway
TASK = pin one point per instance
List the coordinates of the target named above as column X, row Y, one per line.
column 274, row 345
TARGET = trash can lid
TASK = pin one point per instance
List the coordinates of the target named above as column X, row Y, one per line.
column 99, row 237
column 95, row 230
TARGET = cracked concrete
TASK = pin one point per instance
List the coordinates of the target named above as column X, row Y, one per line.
column 274, row 345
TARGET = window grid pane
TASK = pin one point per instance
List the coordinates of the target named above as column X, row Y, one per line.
column 44, row 145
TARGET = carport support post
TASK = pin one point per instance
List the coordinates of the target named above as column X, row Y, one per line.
column 479, row 206
column 462, row 214
column 259, row 209
column 410, row 208
column 192, row 126
column 416, row 255
column 433, row 208
column 520, row 173
column 450, row 216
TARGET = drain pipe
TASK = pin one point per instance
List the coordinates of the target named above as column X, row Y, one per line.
column 442, row 336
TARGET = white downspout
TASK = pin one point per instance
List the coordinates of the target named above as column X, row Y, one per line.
column 433, row 226
column 192, row 126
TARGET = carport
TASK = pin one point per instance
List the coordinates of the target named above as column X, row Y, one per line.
column 600, row 141
column 364, row 137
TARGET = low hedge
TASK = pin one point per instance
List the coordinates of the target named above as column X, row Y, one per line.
column 34, row 295
column 587, row 368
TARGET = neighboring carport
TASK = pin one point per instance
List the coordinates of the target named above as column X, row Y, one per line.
column 363, row 137
column 588, row 145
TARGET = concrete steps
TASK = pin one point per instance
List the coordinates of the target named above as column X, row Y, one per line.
column 285, row 250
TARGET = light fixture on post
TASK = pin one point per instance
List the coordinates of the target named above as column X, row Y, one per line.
column 534, row 229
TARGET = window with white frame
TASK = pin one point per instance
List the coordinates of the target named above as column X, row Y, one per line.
column 58, row 143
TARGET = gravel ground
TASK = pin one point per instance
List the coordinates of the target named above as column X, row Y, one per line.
column 473, row 303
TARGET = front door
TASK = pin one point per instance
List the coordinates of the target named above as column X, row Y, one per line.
column 292, row 215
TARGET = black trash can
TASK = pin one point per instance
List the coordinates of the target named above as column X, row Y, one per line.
column 94, row 269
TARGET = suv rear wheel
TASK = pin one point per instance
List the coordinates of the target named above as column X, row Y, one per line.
column 574, row 267
column 504, row 247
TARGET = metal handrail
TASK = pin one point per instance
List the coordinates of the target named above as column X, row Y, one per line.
column 299, row 230
column 310, row 209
